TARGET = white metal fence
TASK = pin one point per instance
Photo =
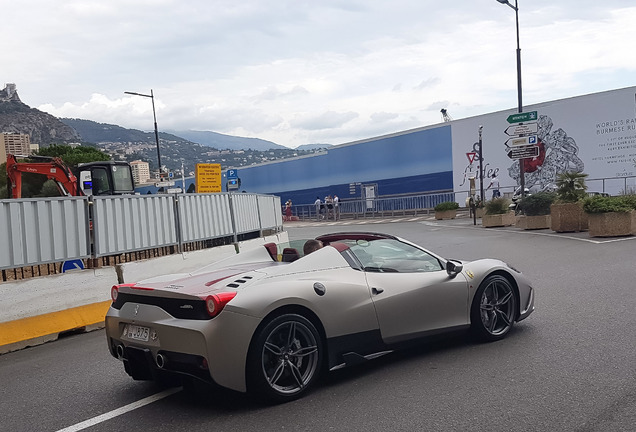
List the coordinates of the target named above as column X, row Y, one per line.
column 45, row 230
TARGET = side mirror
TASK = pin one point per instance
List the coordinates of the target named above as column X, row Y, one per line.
column 453, row 269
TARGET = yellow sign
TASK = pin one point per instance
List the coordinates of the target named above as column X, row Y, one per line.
column 208, row 178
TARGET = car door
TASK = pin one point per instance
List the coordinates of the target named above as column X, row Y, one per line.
column 412, row 293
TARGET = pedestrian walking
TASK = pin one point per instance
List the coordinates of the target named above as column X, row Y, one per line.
column 318, row 205
column 494, row 184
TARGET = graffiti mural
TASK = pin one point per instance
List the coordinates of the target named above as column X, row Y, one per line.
column 558, row 153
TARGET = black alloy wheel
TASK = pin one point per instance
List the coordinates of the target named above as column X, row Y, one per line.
column 493, row 311
column 285, row 358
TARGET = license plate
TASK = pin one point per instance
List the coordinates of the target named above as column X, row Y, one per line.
column 137, row 332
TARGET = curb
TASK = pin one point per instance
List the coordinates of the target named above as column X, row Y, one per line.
column 21, row 333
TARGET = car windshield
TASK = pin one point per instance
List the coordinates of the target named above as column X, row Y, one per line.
column 392, row 256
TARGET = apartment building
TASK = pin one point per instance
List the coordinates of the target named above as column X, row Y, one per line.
column 140, row 171
column 18, row 144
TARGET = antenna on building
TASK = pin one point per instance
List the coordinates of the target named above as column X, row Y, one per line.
column 445, row 116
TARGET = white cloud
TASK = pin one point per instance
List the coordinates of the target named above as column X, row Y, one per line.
column 294, row 73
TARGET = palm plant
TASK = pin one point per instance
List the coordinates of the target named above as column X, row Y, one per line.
column 571, row 186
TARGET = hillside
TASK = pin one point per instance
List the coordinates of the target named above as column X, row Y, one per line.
column 132, row 144
column 221, row 141
column 44, row 129
column 95, row 132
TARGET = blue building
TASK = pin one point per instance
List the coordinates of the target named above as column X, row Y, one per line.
column 414, row 161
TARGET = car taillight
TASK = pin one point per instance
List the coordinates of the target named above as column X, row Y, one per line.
column 114, row 291
column 216, row 302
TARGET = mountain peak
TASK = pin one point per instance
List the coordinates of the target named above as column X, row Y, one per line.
column 9, row 93
column 18, row 117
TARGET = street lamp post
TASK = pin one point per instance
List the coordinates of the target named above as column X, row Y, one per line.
column 481, row 166
column 519, row 88
column 154, row 115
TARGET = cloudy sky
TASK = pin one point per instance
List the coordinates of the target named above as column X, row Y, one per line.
column 298, row 72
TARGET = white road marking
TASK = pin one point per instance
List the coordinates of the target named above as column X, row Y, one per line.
column 119, row 411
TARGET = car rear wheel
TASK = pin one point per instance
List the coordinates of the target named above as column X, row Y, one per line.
column 285, row 358
column 494, row 308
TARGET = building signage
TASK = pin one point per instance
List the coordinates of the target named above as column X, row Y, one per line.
column 523, row 152
column 522, row 117
column 522, row 141
column 207, row 178
column 522, row 129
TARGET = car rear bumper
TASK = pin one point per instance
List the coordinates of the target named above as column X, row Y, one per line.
column 213, row 350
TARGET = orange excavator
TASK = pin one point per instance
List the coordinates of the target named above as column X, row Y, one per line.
column 95, row 178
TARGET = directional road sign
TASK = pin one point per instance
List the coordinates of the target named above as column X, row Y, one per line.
column 522, row 129
column 164, row 184
column 522, row 117
column 76, row 264
column 523, row 152
column 521, row 141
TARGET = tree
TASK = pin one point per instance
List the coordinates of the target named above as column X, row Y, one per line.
column 571, row 186
column 73, row 156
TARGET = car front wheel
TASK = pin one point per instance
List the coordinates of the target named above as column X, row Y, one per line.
column 494, row 308
column 285, row 358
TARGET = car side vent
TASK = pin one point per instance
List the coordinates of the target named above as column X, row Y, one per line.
column 240, row 281
column 233, row 285
column 247, row 277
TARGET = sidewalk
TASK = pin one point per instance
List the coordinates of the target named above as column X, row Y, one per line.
column 40, row 309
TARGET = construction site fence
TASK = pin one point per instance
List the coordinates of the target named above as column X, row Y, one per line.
column 36, row 231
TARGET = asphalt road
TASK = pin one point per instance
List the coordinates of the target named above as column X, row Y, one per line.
column 571, row 366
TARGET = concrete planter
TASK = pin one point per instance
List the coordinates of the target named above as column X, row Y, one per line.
column 446, row 214
column 612, row 224
column 568, row 217
column 533, row 222
column 498, row 220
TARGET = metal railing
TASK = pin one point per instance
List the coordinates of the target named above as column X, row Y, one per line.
column 374, row 207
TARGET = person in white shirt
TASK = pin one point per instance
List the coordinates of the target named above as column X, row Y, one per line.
column 494, row 184
column 317, row 203
column 336, row 206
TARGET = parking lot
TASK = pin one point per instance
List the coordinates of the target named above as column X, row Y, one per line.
column 569, row 367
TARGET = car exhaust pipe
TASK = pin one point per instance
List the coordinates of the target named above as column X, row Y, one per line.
column 161, row 361
column 120, row 351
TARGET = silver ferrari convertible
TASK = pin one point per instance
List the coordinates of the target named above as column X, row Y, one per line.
column 269, row 320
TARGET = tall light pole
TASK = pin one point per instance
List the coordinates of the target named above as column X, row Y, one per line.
column 519, row 90
column 154, row 115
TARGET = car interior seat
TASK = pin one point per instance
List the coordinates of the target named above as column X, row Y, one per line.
column 272, row 249
column 290, row 254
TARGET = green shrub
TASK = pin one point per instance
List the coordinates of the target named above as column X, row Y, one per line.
column 571, row 186
column 537, row 204
column 446, row 205
column 497, row 206
column 607, row 204
column 630, row 200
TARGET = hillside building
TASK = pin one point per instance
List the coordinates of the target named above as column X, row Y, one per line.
column 3, row 154
column 18, row 144
column 140, row 172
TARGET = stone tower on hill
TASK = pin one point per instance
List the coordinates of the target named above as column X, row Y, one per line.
column 43, row 128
